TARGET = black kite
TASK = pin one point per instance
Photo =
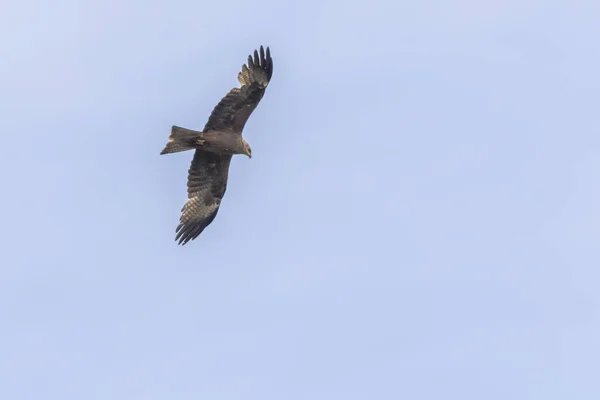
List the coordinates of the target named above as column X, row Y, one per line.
column 216, row 144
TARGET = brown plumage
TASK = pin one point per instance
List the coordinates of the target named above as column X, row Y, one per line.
column 214, row 146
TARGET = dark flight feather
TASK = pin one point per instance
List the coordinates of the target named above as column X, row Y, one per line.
column 207, row 182
column 235, row 108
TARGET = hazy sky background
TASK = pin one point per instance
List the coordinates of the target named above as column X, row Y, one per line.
column 420, row 218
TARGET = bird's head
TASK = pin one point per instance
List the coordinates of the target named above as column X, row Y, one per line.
column 247, row 149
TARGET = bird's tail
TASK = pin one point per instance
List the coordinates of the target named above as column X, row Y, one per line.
column 181, row 139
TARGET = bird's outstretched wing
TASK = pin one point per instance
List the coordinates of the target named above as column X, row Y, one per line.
column 207, row 181
column 235, row 108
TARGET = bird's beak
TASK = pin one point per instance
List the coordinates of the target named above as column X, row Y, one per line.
column 249, row 154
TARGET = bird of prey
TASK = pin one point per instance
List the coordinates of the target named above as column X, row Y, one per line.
column 214, row 146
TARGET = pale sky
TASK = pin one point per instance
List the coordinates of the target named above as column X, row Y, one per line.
column 420, row 218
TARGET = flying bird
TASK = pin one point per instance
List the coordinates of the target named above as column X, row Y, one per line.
column 214, row 146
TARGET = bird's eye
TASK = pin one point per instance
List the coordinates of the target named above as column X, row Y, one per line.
column 249, row 150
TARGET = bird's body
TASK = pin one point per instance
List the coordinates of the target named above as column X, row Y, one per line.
column 215, row 145
column 211, row 141
column 224, row 143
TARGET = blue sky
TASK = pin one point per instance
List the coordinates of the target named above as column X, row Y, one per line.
column 420, row 218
